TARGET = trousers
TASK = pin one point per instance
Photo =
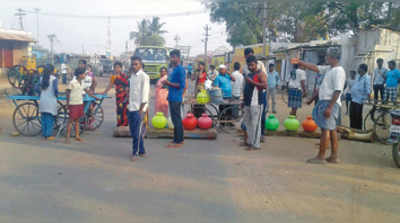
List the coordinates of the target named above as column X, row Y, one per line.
column 176, row 117
column 137, row 129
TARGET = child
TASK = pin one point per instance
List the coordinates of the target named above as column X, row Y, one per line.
column 392, row 81
column 75, row 103
column 48, row 101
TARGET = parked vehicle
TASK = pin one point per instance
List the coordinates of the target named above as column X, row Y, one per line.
column 153, row 58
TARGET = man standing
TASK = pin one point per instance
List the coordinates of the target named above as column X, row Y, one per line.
column 138, row 103
column 273, row 82
column 248, row 52
column 237, row 85
column 256, row 83
column 326, row 112
column 223, row 81
column 392, row 81
column 379, row 79
column 176, row 84
column 297, row 88
column 360, row 92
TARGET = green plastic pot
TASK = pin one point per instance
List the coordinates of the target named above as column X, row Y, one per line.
column 291, row 123
column 272, row 123
column 159, row 121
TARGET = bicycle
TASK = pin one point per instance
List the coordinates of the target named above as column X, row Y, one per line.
column 381, row 120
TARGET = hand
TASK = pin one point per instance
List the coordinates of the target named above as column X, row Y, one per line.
column 295, row 61
column 328, row 112
column 309, row 102
column 248, row 79
column 164, row 82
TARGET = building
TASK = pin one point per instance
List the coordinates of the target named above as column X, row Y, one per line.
column 366, row 47
column 14, row 47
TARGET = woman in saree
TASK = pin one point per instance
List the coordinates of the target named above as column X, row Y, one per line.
column 162, row 93
column 120, row 81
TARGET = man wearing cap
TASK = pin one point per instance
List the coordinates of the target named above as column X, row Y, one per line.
column 223, row 81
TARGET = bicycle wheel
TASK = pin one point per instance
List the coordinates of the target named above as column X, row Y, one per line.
column 382, row 126
column 15, row 75
column 95, row 118
column 229, row 118
column 396, row 154
column 61, row 118
column 26, row 119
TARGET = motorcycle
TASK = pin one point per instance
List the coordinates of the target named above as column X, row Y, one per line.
column 395, row 136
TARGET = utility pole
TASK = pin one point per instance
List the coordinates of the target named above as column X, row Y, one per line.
column 177, row 39
column 207, row 29
column 265, row 27
column 20, row 14
column 37, row 25
column 52, row 38
column 108, row 45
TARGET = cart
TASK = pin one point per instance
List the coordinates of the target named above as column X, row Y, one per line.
column 26, row 116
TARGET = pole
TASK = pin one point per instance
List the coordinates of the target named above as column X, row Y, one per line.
column 37, row 25
column 52, row 37
column 20, row 14
column 207, row 29
column 265, row 28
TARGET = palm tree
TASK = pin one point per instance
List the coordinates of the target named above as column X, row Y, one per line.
column 155, row 27
column 149, row 32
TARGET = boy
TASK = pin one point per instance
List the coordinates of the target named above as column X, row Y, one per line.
column 379, row 79
column 273, row 82
column 297, row 88
column 139, row 91
column 392, row 81
column 75, row 103
column 360, row 92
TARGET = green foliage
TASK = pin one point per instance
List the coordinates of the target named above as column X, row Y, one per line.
column 149, row 33
column 300, row 20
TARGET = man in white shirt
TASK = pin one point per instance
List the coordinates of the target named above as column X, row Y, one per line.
column 237, row 85
column 139, row 93
column 326, row 112
column 297, row 88
column 379, row 79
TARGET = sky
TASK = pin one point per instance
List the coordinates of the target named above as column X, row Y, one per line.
column 77, row 35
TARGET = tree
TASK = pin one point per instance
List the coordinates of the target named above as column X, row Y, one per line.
column 300, row 20
column 149, row 33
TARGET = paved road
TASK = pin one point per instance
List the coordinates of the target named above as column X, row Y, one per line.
column 206, row 181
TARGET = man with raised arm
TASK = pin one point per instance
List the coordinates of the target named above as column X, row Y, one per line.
column 326, row 112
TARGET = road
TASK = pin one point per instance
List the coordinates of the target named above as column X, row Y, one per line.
column 206, row 181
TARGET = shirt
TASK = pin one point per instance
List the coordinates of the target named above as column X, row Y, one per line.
column 350, row 84
column 296, row 83
column 224, row 82
column 75, row 96
column 361, row 89
column 139, row 91
column 178, row 76
column 253, row 96
column 273, row 80
column 392, row 78
column 379, row 76
column 48, row 97
column 333, row 80
column 237, row 85
column 260, row 66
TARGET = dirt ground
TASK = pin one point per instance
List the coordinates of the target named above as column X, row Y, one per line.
column 206, row 181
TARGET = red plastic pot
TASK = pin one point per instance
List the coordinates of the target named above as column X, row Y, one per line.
column 190, row 122
column 205, row 122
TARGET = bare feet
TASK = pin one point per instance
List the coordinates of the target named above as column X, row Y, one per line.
column 51, row 138
column 249, row 148
column 67, row 141
column 78, row 139
column 316, row 160
column 333, row 160
column 144, row 156
column 134, row 158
